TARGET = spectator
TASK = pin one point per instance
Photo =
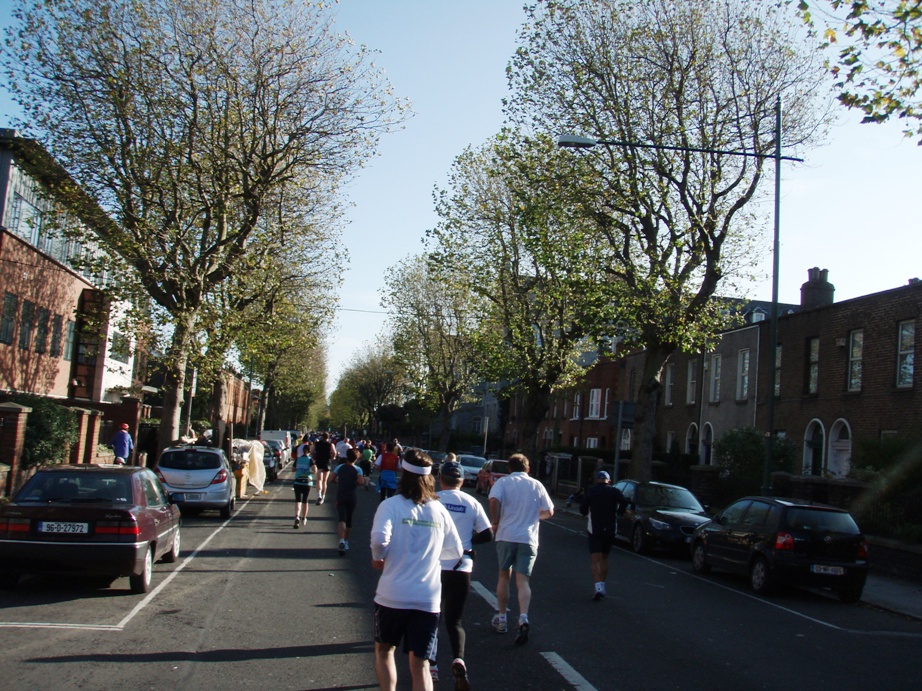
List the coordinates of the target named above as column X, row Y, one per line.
column 122, row 445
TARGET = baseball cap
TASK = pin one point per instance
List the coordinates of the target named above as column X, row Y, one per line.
column 451, row 470
column 124, row 426
column 602, row 475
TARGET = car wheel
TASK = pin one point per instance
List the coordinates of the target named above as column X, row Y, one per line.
column 638, row 542
column 141, row 583
column 227, row 509
column 9, row 580
column 760, row 577
column 699, row 559
column 851, row 592
column 173, row 554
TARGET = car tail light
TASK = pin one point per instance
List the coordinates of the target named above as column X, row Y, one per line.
column 128, row 526
column 13, row 526
column 862, row 549
column 784, row 541
column 160, row 475
column 220, row 477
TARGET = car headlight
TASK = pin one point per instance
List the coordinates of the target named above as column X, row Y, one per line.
column 659, row 525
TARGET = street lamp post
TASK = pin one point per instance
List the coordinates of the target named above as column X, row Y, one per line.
column 577, row 142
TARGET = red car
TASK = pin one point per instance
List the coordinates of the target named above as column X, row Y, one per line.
column 109, row 521
column 489, row 474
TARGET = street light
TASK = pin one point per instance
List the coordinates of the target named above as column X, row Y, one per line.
column 576, row 142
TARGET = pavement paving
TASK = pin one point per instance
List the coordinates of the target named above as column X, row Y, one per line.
column 886, row 592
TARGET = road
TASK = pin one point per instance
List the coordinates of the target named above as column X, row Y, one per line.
column 253, row 603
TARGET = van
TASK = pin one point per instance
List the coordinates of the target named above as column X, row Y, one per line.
column 279, row 435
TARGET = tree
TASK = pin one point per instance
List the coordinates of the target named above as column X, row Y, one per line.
column 182, row 118
column 372, row 379
column 432, row 329
column 877, row 67
column 534, row 267
column 644, row 76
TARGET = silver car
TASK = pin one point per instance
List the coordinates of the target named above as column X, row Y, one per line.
column 200, row 476
column 471, row 465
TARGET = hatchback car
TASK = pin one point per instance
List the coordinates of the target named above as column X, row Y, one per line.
column 95, row 520
column 658, row 515
column 790, row 541
column 203, row 476
column 489, row 474
column 471, row 465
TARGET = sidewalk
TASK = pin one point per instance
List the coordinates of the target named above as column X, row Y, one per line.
column 892, row 594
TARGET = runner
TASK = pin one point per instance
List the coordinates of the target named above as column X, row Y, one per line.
column 388, row 462
column 347, row 477
column 305, row 470
column 323, row 456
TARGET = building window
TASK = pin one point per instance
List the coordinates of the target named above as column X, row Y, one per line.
column 626, row 439
column 555, row 408
column 595, row 403
column 671, row 444
column 576, row 403
column 691, row 387
column 668, row 382
column 715, row 379
column 26, row 324
column 57, row 327
column 742, row 375
column 906, row 345
column 607, row 402
column 855, row 353
column 69, row 339
column 777, row 371
column 813, row 365
column 8, row 318
column 120, row 348
column 592, row 443
column 41, row 330
column 477, row 425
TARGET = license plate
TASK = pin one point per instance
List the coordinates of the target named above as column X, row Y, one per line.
column 63, row 527
column 193, row 496
column 827, row 570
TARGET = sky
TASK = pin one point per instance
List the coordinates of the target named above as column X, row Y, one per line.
column 853, row 207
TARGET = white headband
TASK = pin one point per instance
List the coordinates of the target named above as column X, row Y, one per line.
column 418, row 469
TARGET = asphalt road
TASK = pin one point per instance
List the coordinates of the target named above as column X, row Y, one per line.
column 253, row 603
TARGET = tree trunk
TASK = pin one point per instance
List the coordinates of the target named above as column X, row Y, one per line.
column 173, row 381
column 218, row 410
column 534, row 408
column 645, row 414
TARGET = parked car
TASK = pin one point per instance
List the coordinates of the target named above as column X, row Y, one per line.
column 283, row 436
column 489, row 473
column 471, row 465
column 108, row 521
column 789, row 541
column 659, row 515
column 437, row 458
column 273, row 459
column 201, row 475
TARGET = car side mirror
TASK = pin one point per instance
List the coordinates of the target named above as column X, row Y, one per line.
column 718, row 519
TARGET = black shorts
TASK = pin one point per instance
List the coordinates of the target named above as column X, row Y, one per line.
column 322, row 465
column 601, row 543
column 345, row 509
column 302, row 492
column 417, row 630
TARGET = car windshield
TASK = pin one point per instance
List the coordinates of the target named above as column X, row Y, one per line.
column 822, row 520
column 475, row 462
column 501, row 467
column 189, row 460
column 76, row 488
column 668, row 498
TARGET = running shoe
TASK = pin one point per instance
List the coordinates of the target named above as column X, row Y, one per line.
column 434, row 671
column 459, row 672
column 499, row 624
column 522, row 637
column 342, row 548
column 297, row 523
column 599, row 595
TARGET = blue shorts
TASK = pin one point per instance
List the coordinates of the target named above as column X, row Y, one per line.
column 516, row 555
column 417, row 630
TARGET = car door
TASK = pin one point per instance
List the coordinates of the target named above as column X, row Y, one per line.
column 723, row 536
column 625, row 524
column 160, row 513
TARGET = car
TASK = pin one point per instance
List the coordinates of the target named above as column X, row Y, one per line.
column 658, row 515
column 273, row 459
column 791, row 541
column 95, row 520
column 283, row 436
column 437, row 458
column 200, row 475
column 471, row 465
column 489, row 473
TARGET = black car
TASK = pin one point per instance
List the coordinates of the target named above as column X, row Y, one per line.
column 791, row 541
column 659, row 515
column 273, row 458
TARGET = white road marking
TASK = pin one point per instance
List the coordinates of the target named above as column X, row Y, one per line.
column 570, row 675
column 479, row 588
column 135, row 610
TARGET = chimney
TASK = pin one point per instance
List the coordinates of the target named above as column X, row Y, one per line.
column 817, row 291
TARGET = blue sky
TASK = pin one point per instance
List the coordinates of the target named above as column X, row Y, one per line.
column 853, row 207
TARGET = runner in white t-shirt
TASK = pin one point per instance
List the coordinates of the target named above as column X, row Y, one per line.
column 411, row 534
column 518, row 504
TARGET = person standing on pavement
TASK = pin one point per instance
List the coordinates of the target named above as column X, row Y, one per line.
column 348, row 478
column 518, row 504
column 305, row 470
column 411, row 535
column 122, row 445
column 474, row 528
column 603, row 504
column 323, row 457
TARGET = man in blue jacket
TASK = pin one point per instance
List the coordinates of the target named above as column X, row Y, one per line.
column 122, row 445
